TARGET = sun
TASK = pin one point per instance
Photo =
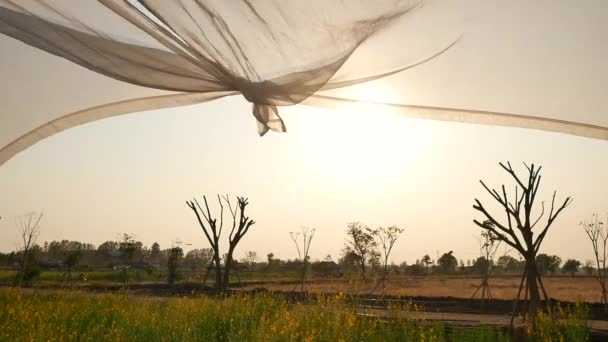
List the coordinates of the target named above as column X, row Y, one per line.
column 364, row 144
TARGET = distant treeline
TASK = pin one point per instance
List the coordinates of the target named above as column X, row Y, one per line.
column 134, row 254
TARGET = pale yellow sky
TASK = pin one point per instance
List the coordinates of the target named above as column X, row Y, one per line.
column 421, row 175
column 134, row 173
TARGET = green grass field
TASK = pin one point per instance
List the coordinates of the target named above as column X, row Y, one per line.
column 78, row 316
column 115, row 276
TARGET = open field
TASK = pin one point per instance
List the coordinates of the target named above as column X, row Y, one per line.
column 263, row 307
column 78, row 316
column 571, row 289
column 73, row 315
column 585, row 289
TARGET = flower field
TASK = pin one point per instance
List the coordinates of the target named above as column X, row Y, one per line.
column 78, row 316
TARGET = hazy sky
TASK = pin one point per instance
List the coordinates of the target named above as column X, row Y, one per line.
column 134, row 173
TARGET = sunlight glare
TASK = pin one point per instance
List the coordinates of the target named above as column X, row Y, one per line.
column 366, row 144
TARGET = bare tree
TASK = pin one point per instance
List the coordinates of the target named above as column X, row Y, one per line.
column 212, row 233
column 127, row 248
column 571, row 266
column 598, row 234
column 361, row 242
column 71, row 260
column 29, row 230
column 198, row 258
column 488, row 246
column 306, row 234
column 173, row 262
column 518, row 231
column 240, row 226
column 427, row 262
column 251, row 258
column 588, row 267
column 387, row 237
column 269, row 260
column 239, row 229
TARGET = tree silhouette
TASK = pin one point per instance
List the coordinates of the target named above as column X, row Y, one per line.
column 588, row 267
column 29, row 229
column 175, row 257
column 155, row 252
column 547, row 263
column 518, row 231
column 598, row 235
column 360, row 241
column 240, row 226
column 251, row 258
column 269, row 260
column 198, row 258
column 509, row 264
column 488, row 246
column 307, row 235
column 127, row 248
column 387, row 237
column 426, row 261
column 571, row 266
column 447, row 263
column 71, row 260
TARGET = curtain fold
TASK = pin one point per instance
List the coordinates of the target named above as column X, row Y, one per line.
column 273, row 53
column 105, row 111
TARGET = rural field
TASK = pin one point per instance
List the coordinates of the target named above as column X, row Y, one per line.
column 123, row 290
column 563, row 288
column 44, row 315
column 258, row 309
column 304, row 171
column 584, row 289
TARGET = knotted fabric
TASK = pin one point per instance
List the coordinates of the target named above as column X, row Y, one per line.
column 274, row 53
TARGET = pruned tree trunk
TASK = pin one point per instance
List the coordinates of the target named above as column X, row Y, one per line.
column 23, row 265
column 597, row 231
column 213, row 233
column 532, row 286
column 362, row 265
column 218, row 273
column 518, row 230
column 384, row 275
column 488, row 247
column 29, row 230
column 227, row 266
column 307, row 236
column 387, row 238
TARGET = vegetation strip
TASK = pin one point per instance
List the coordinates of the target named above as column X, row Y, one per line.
column 73, row 315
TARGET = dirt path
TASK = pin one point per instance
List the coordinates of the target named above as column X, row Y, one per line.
column 599, row 329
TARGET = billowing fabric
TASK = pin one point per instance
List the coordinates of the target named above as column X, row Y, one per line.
column 274, row 53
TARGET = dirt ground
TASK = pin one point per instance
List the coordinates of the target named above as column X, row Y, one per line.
column 569, row 289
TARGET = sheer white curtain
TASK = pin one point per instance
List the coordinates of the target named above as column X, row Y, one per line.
column 152, row 54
